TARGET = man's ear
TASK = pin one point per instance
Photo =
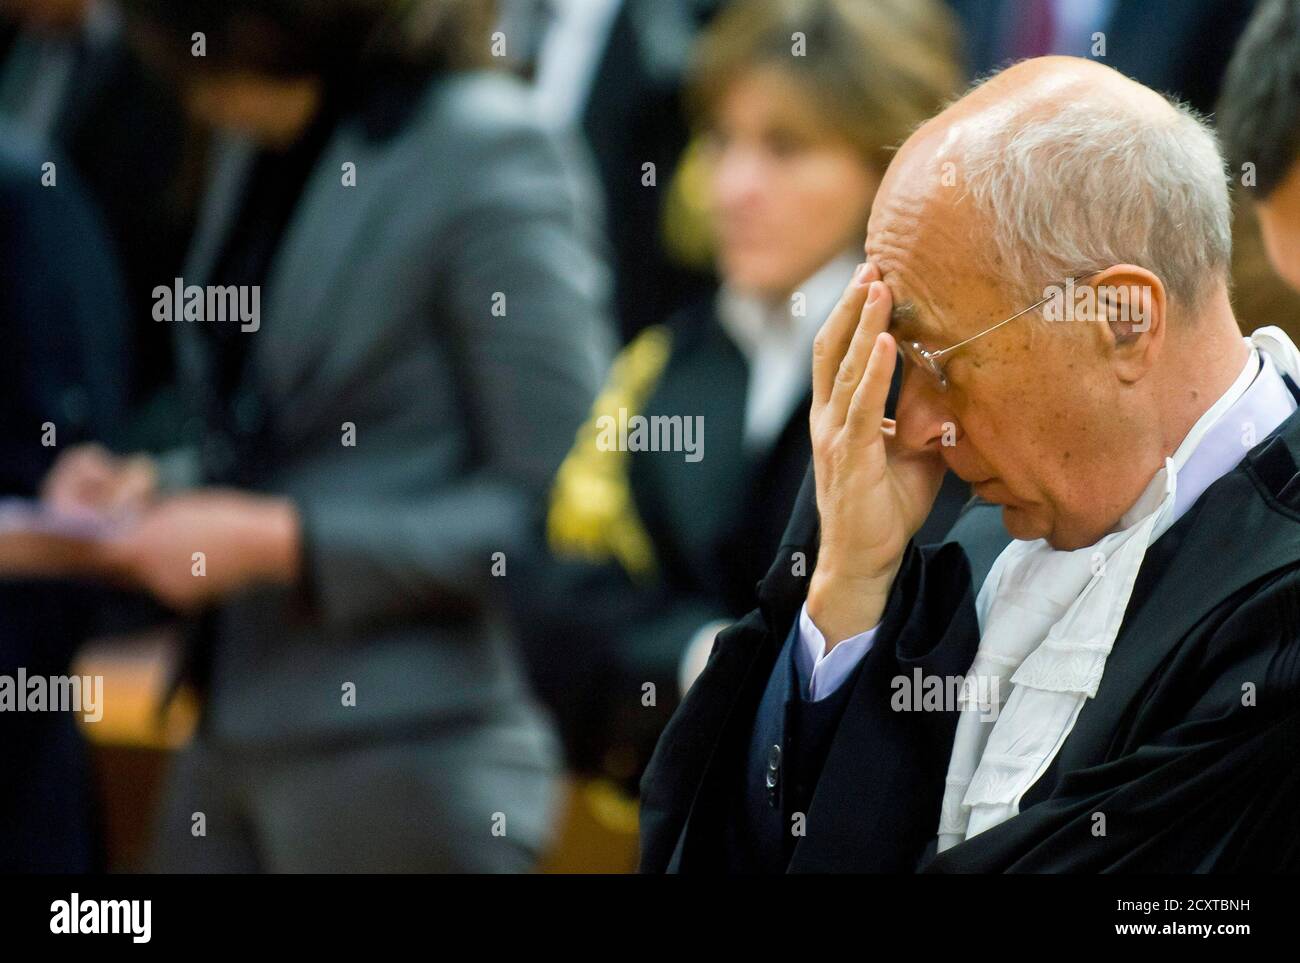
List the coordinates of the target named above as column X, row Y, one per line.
column 1131, row 318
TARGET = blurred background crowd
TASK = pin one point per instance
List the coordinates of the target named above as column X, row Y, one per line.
column 442, row 624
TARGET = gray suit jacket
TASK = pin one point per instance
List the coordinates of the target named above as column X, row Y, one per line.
column 379, row 311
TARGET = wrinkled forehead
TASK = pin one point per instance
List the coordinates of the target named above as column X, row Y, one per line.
column 923, row 239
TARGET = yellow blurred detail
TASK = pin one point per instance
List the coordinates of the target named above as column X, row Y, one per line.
column 612, row 808
column 592, row 515
column 136, row 670
column 687, row 235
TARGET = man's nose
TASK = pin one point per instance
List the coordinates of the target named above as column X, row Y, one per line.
column 923, row 418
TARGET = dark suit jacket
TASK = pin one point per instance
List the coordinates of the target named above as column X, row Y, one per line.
column 1175, row 46
column 123, row 131
column 635, row 115
column 1188, row 778
column 64, row 362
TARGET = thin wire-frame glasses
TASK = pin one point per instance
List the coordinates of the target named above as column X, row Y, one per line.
column 931, row 361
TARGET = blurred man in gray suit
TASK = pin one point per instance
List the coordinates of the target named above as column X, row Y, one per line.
column 410, row 328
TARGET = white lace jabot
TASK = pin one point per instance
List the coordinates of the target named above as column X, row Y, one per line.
column 1047, row 622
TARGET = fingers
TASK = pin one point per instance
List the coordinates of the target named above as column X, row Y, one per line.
column 873, row 319
column 93, row 480
column 867, row 409
column 836, row 333
column 80, row 479
column 135, row 484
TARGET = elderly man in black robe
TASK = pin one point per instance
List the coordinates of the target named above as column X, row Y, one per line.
column 1107, row 646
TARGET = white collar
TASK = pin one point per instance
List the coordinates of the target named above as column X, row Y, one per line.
column 752, row 321
column 1048, row 619
column 776, row 339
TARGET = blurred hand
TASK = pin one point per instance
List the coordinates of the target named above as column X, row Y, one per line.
column 872, row 495
column 91, row 480
column 245, row 539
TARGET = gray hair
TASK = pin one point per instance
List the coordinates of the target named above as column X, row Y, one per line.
column 1091, row 184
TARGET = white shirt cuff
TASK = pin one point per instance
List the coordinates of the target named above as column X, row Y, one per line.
column 824, row 671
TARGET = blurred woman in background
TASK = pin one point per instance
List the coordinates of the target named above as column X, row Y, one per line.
column 797, row 104
column 420, row 331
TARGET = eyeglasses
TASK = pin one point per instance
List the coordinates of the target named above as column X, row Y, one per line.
column 931, row 362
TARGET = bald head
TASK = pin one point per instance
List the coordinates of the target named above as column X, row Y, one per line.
column 1032, row 91
column 1044, row 83
column 1060, row 164
column 1055, row 169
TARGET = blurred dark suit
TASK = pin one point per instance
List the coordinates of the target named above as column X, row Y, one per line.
column 1176, row 46
column 123, row 131
column 614, row 71
column 635, row 115
column 378, row 312
column 64, row 363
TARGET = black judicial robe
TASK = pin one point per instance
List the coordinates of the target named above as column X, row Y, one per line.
column 1187, row 759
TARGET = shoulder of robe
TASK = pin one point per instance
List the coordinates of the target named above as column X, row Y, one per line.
column 1270, row 621
column 1274, row 465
